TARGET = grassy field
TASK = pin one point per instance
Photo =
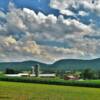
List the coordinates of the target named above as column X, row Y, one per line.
column 29, row 91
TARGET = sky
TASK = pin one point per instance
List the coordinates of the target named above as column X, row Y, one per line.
column 49, row 30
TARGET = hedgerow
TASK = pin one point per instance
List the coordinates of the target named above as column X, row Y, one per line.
column 50, row 81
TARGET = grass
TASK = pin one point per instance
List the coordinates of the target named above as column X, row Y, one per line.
column 1, row 74
column 29, row 91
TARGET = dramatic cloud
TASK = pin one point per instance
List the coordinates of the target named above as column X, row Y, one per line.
column 66, row 3
column 25, row 35
column 87, row 5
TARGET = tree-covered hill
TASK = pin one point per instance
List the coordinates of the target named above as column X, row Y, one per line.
column 65, row 64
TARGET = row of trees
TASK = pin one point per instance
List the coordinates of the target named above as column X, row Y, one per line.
column 83, row 74
column 90, row 74
column 11, row 71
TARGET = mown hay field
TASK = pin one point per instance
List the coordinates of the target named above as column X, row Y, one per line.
column 29, row 91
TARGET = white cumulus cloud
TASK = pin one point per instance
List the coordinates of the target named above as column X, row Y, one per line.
column 26, row 35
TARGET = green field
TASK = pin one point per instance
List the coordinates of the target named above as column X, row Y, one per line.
column 29, row 91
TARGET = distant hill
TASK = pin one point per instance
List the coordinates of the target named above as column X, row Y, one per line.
column 76, row 64
column 26, row 65
column 65, row 64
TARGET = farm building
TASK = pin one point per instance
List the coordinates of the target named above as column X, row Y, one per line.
column 71, row 77
column 27, row 75
column 35, row 72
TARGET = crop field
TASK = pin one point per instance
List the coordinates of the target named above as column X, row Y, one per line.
column 29, row 91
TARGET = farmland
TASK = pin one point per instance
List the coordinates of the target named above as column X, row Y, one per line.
column 29, row 91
